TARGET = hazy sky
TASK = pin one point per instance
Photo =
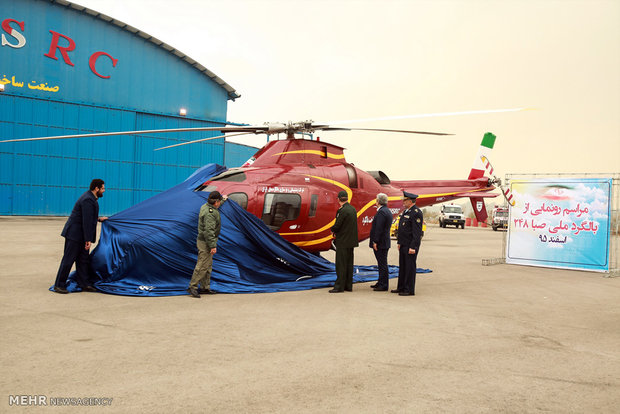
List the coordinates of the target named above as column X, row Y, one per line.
column 336, row 60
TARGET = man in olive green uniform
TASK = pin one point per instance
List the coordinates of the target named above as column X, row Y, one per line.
column 345, row 233
column 208, row 231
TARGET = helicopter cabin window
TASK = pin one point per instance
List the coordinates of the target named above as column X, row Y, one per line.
column 279, row 208
column 352, row 176
column 324, row 151
column 239, row 198
column 314, row 201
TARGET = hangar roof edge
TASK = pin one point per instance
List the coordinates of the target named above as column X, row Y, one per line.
column 232, row 93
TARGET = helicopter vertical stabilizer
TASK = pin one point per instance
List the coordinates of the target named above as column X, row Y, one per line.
column 477, row 171
column 486, row 146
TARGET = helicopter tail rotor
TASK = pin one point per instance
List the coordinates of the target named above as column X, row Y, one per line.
column 497, row 181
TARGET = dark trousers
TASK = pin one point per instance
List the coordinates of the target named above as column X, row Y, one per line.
column 382, row 262
column 74, row 253
column 344, row 268
column 407, row 269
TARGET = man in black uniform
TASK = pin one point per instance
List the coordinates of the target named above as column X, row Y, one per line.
column 345, row 232
column 380, row 241
column 80, row 232
column 409, row 238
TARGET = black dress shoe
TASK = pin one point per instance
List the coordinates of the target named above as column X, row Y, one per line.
column 380, row 289
column 58, row 289
column 193, row 293
column 207, row 291
column 404, row 294
column 89, row 288
column 349, row 290
column 395, row 291
column 336, row 291
column 373, row 286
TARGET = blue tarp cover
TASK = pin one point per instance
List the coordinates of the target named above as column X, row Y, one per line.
column 150, row 250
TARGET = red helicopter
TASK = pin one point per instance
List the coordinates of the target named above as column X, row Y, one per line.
column 291, row 184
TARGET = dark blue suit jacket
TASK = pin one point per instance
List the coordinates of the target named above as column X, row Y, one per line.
column 380, row 230
column 82, row 223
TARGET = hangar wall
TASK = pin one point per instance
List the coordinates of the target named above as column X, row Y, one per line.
column 70, row 70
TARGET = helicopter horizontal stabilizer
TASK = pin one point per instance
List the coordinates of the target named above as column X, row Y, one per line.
column 477, row 195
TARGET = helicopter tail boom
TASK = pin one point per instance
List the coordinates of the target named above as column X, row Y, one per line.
column 476, row 187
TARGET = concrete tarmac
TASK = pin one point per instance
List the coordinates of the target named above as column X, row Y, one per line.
column 474, row 339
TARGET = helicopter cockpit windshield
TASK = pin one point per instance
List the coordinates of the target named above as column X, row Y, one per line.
column 230, row 175
column 235, row 176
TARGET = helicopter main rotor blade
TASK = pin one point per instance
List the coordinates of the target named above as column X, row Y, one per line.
column 386, row 130
column 247, row 129
column 277, row 128
column 438, row 114
column 201, row 140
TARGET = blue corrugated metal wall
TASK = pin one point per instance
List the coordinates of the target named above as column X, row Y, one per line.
column 237, row 154
column 45, row 177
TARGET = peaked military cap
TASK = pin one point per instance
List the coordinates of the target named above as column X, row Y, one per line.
column 410, row 196
column 343, row 194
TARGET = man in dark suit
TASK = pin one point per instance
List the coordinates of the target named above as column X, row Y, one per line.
column 409, row 238
column 345, row 233
column 80, row 232
column 380, row 241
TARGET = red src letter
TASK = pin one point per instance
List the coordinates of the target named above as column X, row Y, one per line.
column 93, row 60
column 63, row 50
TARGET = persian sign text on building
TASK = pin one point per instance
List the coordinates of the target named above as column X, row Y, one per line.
column 560, row 223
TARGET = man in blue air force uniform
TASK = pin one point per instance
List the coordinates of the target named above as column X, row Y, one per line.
column 409, row 238
column 380, row 241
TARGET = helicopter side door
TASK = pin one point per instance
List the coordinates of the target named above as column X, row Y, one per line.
column 284, row 207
